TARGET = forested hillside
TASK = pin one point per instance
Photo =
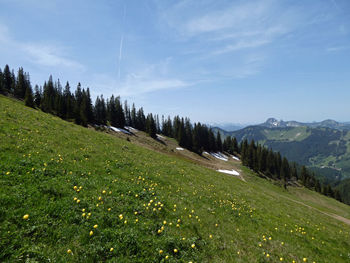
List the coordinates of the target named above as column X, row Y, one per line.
column 77, row 106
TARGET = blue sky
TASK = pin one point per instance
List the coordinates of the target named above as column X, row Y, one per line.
column 213, row 61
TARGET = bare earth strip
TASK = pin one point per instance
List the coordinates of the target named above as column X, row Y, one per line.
column 338, row 217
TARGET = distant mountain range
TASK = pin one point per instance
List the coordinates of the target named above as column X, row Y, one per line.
column 321, row 145
column 274, row 123
column 228, row 126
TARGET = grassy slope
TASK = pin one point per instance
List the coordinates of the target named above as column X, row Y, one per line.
column 291, row 134
column 43, row 158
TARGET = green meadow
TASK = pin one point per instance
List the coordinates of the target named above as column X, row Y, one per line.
column 73, row 194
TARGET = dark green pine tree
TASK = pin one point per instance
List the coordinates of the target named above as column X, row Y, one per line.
column 20, row 87
column 47, row 104
column 120, row 117
column 140, row 120
column 100, row 111
column 270, row 164
column 263, row 160
column 278, row 163
column 337, row 195
column 218, row 142
column 127, row 114
column 294, row 171
column 83, row 110
column 235, row 145
column 133, row 118
column 158, row 124
column 151, row 128
column 244, row 152
column 78, row 104
column 8, row 80
column 285, row 170
column 196, row 139
column 28, row 98
column 2, row 91
column 303, row 175
column 176, row 127
column 89, row 108
column 37, row 96
column 212, row 146
column 181, row 134
column 251, row 154
column 58, row 103
column 70, row 102
column 318, row 187
column 188, row 134
column 226, row 144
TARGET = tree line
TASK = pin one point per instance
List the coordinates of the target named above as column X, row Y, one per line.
column 271, row 164
column 77, row 106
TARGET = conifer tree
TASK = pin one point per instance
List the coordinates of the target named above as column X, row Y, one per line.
column 235, row 145
column 48, row 96
column 127, row 114
column 151, row 128
column 285, row 170
column 8, row 80
column 100, row 111
column 120, row 117
column 158, row 124
column 28, row 98
column 218, row 142
column 318, row 187
column 2, row 91
column 303, row 175
column 89, row 108
column 141, row 119
column 263, row 160
column 20, row 87
column 294, row 172
column 133, row 116
column 70, row 101
column 77, row 105
column 212, row 146
column 270, row 163
column 37, row 96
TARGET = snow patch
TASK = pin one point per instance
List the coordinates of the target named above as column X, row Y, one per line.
column 131, row 129
column 235, row 158
column 206, row 153
column 220, row 156
column 179, row 148
column 233, row 172
column 118, row 130
column 160, row 136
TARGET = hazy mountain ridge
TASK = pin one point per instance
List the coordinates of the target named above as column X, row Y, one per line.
column 229, row 127
column 274, row 123
column 318, row 146
column 323, row 146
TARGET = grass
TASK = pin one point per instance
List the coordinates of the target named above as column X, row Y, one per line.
column 144, row 204
column 292, row 134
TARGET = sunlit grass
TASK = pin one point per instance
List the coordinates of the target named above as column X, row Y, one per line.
column 71, row 194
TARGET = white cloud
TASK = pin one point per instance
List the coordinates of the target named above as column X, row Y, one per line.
column 235, row 16
column 242, row 45
column 337, row 48
column 49, row 55
column 152, row 78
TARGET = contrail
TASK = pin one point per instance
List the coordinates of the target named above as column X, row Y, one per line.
column 121, row 45
column 120, row 55
column 336, row 5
